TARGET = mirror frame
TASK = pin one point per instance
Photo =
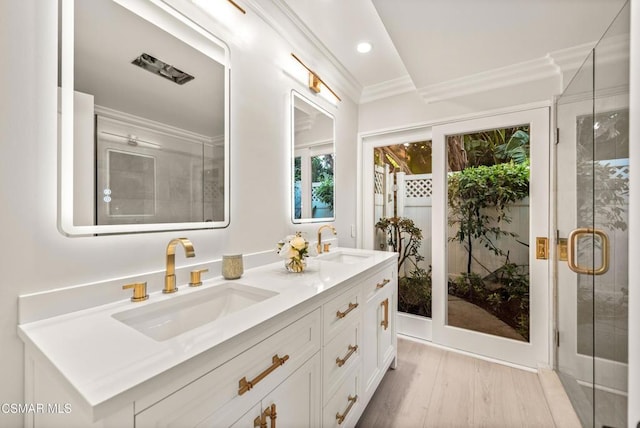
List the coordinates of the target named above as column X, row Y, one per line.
column 295, row 94
column 163, row 15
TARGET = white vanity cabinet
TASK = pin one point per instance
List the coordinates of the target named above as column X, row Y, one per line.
column 310, row 357
column 360, row 344
column 221, row 396
column 342, row 358
column 294, row 403
column 379, row 328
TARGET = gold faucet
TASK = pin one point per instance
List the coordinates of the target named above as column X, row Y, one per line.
column 170, row 276
column 319, row 245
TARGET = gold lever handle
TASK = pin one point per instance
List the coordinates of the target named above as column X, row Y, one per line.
column 196, row 279
column 341, row 417
column 382, row 284
column 385, row 322
column 341, row 361
column 351, row 307
column 571, row 251
column 271, row 413
column 139, row 291
column 245, row 385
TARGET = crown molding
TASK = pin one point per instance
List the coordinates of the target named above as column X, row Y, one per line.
column 387, row 89
column 279, row 16
column 571, row 59
column 561, row 64
column 511, row 75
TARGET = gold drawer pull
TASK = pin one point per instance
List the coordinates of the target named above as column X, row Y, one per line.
column 245, row 385
column 260, row 421
column 341, row 417
column 352, row 306
column 385, row 322
column 382, row 284
column 341, row 362
column 271, row 412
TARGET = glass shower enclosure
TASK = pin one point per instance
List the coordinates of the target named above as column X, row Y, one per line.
column 592, row 177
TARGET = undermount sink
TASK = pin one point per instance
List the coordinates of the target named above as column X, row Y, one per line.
column 343, row 257
column 172, row 317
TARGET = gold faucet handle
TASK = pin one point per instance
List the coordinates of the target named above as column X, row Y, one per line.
column 139, row 291
column 326, row 247
column 196, row 281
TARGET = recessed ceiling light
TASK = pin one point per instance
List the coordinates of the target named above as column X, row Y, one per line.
column 364, row 47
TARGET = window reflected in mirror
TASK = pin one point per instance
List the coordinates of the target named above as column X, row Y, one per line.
column 313, row 162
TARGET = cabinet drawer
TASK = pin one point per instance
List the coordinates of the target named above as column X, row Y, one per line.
column 242, row 381
column 380, row 281
column 341, row 355
column 341, row 311
column 343, row 408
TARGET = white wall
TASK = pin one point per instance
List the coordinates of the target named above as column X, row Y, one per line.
column 36, row 257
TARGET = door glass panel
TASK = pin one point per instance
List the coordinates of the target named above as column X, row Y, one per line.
column 592, row 177
column 488, row 235
column 403, row 206
column 610, row 159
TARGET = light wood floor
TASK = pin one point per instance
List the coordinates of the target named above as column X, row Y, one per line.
column 433, row 387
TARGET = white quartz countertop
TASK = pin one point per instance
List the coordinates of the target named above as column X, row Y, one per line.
column 101, row 357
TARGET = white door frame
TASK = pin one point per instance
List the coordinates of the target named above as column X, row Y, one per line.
column 536, row 352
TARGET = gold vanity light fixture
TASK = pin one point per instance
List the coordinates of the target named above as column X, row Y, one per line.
column 315, row 82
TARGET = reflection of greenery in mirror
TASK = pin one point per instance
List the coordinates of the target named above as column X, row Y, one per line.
column 119, row 106
column 313, row 162
column 322, row 182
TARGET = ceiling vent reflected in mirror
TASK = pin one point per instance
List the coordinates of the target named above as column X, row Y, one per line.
column 161, row 68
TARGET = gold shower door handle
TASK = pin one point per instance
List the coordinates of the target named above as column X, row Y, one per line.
column 571, row 251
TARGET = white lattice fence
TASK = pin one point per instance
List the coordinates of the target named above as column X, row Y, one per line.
column 378, row 181
column 415, row 202
column 418, row 187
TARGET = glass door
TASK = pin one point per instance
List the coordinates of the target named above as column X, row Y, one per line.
column 592, row 157
column 490, row 292
column 397, row 183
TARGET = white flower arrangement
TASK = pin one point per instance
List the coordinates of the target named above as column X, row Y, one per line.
column 294, row 249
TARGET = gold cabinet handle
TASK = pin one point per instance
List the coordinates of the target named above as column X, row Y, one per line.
column 351, row 307
column 341, row 417
column 571, row 251
column 260, row 421
column 382, row 284
column 341, row 361
column 139, row 291
column 271, row 413
column 385, row 322
column 245, row 385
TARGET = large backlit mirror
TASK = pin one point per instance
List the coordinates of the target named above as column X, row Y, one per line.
column 143, row 117
column 313, row 196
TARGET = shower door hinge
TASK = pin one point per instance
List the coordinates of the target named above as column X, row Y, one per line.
column 557, row 135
